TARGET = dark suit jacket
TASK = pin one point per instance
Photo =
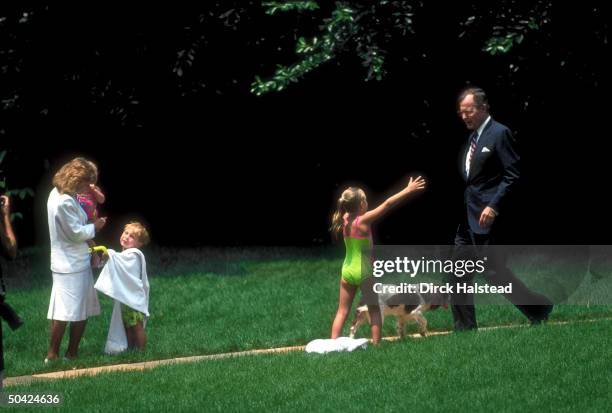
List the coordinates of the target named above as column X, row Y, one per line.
column 494, row 171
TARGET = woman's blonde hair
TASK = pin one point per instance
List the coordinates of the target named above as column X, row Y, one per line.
column 139, row 231
column 349, row 201
column 75, row 173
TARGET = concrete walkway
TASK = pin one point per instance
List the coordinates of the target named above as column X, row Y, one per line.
column 66, row 374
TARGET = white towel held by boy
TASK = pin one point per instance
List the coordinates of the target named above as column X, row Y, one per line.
column 124, row 278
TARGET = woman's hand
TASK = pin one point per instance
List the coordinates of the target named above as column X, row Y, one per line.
column 99, row 223
column 95, row 260
column 415, row 184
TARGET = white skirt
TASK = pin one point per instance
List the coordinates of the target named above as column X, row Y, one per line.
column 73, row 297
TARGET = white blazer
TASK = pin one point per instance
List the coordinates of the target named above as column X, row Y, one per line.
column 69, row 231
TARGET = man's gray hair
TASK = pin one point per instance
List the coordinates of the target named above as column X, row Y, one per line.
column 480, row 96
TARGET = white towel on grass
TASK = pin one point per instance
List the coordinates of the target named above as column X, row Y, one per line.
column 329, row 345
column 124, row 278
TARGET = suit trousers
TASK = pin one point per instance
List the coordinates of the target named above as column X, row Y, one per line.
column 470, row 245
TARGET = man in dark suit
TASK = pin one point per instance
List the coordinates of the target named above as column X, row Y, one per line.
column 490, row 168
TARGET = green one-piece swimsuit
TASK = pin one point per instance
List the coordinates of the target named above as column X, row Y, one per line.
column 357, row 262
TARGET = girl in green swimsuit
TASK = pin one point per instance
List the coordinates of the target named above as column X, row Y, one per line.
column 352, row 221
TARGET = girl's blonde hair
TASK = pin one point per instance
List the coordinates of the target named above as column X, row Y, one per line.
column 139, row 231
column 75, row 173
column 349, row 201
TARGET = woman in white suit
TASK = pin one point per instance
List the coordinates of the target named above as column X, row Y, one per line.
column 73, row 298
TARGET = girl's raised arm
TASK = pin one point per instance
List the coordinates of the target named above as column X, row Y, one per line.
column 413, row 186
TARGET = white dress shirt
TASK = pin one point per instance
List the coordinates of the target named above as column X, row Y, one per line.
column 479, row 133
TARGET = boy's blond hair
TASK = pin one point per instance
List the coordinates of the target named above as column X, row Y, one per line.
column 139, row 231
column 73, row 174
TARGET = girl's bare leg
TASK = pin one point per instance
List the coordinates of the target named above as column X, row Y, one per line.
column 347, row 293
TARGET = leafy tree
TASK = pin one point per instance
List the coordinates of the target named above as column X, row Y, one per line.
column 378, row 30
column 120, row 65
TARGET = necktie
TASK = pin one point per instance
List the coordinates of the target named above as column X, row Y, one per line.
column 472, row 150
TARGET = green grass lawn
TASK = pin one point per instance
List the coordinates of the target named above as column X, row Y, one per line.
column 210, row 301
column 546, row 368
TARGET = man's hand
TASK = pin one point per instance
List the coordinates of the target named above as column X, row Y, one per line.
column 487, row 217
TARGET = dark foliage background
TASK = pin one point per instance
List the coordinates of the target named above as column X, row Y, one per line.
column 159, row 95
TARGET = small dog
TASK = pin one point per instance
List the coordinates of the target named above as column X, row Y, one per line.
column 404, row 307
